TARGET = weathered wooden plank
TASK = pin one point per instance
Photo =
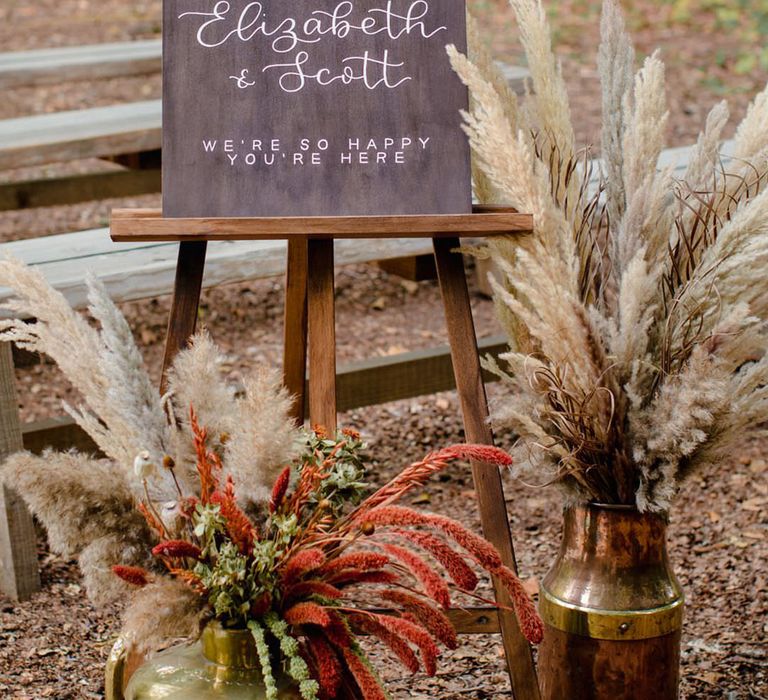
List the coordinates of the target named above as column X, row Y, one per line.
column 71, row 63
column 60, row 433
column 149, row 225
column 365, row 383
column 77, row 134
column 141, row 270
column 72, row 189
column 19, row 576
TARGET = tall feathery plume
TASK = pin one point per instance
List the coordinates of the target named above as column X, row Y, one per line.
column 615, row 62
column 643, row 143
column 264, row 439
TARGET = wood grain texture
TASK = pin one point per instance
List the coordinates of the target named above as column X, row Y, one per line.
column 19, row 576
column 149, row 225
column 186, row 300
column 322, row 334
column 295, row 326
column 202, row 102
column 490, row 492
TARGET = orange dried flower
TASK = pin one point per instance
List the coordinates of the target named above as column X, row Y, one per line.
column 280, row 489
column 239, row 526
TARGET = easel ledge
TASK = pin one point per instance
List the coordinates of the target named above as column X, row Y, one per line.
column 131, row 225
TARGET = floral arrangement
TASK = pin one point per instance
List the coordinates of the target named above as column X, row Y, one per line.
column 212, row 505
column 637, row 310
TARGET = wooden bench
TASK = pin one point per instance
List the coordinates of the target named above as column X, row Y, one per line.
column 134, row 271
column 68, row 64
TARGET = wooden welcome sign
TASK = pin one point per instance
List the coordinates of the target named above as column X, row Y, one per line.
column 313, row 107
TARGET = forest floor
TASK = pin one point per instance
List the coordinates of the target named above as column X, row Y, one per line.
column 55, row 645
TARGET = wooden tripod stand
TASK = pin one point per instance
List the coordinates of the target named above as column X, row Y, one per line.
column 310, row 332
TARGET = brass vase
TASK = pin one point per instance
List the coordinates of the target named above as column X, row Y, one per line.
column 612, row 609
column 222, row 665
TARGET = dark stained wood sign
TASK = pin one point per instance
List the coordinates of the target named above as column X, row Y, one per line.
column 313, row 107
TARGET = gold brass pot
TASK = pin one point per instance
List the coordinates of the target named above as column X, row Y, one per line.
column 612, row 609
column 222, row 665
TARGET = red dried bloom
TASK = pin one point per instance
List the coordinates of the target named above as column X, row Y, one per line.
column 415, row 634
column 327, row 663
column 351, row 433
column 433, row 619
column 419, row 473
column 371, row 625
column 531, row 624
column 434, row 584
column 338, row 633
column 363, row 561
column 307, row 614
column 280, row 489
column 305, row 589
column 177, row 549
column 366, row 681
column 483, row 552
column 302, row 563
column 487, row 454
column 134, row 575
column 239, row 527
column 458, row 569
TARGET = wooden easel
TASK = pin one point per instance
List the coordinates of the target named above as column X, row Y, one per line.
column 310, row 332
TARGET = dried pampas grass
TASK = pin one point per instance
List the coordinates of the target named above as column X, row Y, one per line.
column 88, row 505
column 162, row 613
column 637, row 311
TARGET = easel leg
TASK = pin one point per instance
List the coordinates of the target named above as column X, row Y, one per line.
column 186, row 300
column 19, row 576
column 295, row 326
column 490, row 492
column 322, row 335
